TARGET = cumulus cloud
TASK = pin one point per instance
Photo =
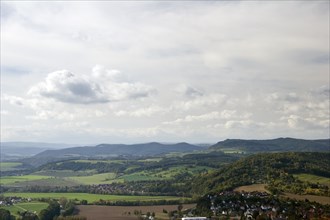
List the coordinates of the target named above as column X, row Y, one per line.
column 141, row 112
column 101, row 86
column 203, row 59
column 14, row 100
column 215, row 116
column 201, row 102
column 188, row 91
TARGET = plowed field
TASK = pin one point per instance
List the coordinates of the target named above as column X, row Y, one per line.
column 92, row 212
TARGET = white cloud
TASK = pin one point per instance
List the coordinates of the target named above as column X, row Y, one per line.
column 142, row 112
column 201, row 102
column 102, row 87
column 188, row 91
column 198, row 70
column 214, row 116
column 14, row 100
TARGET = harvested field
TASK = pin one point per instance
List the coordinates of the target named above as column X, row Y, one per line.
column 261, row 188
column 320, row 199
column 92, row 212
column 252, row 188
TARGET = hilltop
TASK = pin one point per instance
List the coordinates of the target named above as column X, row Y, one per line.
column 279, row 170
column 274, row 145
column 110, row 151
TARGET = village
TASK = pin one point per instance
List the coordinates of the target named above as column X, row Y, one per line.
column 260, row 205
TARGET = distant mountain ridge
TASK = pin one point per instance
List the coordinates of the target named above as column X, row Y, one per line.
column 19, row 150
column 147, row 149
column 274, row 145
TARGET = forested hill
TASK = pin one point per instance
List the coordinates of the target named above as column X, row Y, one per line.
column 274, row 169
column 148, row 149
column 274, row 145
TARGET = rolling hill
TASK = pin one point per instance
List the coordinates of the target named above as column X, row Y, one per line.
column 109, row 151
column 274, row 145
column 275, row 169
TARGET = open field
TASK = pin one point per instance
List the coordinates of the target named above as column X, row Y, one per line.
column 252, row 188
column 232, row 151
column 139, row 177
column 91, row 197
column 103, row 178
column 122, row 212
column 64, row 173
column 100, row 161
column 163, row 173
column 8, row 166
column 313, row 179
column 51, row 182
column 26, row 206
column 320, row 199
column 261, row 188
column 16, row 179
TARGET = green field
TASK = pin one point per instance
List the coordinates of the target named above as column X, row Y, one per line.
column 64, row 173
column 313, row 179
column 7, row 180
column 100, row 161
column 8, row 166
column 26, row 206
column 138, row 177
column 90, row 197
column 232, row 151
column 103, row 178
column 50, row 182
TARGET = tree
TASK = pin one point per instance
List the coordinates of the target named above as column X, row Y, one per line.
column 50, row 212
column 4, row 214
column 63, row 201
column 83, row 202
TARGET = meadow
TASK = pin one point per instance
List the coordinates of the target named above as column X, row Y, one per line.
column 313, row 179
column 252, row 188
column 103, row 178
column 91, row 177
column 9, row 180
column 8, row 166
column 90, row 197
column 26, row 206
column 325, row 200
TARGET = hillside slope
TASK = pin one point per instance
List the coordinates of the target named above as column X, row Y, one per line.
column 108, row 151
column 103, row 150
column 274, row 145
column 274, row 169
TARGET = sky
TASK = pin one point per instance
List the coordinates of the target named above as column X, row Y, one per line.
column 88, row 72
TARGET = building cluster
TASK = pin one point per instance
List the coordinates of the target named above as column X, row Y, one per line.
column 259, row 205
column 112, row 189
column 8, row 201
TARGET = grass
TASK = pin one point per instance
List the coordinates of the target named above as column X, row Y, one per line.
column 90, row 197
column 139, row 177
column 8, row 166
column 8, row 180
column 156, row 159
column 100, row 161
column 232, row 151
column 26, row 206
column 163, row 174
column 313, row 179
column 103, row 178
column 325, row 200
column 64, row 173
column 252, row 188
column 50, row 182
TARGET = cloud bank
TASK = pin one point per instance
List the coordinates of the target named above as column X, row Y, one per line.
column 101, row 86
column 196, row 71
